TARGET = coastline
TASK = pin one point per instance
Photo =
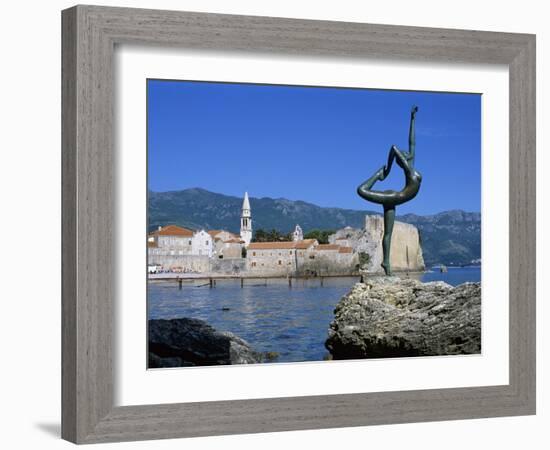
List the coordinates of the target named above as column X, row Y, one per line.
column 172, row 276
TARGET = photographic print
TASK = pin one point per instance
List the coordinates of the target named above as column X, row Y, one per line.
column 289, row 224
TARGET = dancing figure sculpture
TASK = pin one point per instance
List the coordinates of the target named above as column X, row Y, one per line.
column 390, row 199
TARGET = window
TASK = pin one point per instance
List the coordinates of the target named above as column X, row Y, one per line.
column 253, row 253
column 280, row 262
column 311, row 256
column 290, row 252
column 253, row 264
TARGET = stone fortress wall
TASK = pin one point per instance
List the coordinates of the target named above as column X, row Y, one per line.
column 405, row 253
column 179, row 263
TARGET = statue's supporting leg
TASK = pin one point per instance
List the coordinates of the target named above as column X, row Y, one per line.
column 389, row 218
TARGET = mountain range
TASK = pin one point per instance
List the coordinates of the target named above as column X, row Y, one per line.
column 451, row 237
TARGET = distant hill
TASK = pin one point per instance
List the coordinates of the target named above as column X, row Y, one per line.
column 451, row 237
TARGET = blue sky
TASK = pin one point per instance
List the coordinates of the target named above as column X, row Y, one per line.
column 310, row 143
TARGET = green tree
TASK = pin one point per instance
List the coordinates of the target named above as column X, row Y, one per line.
column 273, row 235
column 320, row 235
column 260, row 235
column 364, row 259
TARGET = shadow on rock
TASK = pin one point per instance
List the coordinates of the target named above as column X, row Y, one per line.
column 192, row 342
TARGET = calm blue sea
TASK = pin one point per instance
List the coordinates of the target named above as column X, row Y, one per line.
column 292, row 321
column 454, row 275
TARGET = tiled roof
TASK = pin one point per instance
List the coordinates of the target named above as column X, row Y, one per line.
column 271, row 245
column 301, row 245
column 306, row 243
column 327, row 247
column 173, row 230
column 214, row 233
column 233, row 241
column 345, row 250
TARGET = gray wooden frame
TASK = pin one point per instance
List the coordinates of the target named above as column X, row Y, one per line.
column 89, row 36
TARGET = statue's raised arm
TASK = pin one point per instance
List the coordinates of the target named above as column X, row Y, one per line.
column 412, row 138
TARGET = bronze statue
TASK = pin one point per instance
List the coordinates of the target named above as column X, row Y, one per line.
column 390, row 199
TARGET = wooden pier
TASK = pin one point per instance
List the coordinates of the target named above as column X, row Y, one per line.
column 211, row 281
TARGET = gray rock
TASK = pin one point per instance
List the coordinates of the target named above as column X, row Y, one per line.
column 192, row 342
column 156, row 361
column 393, row 317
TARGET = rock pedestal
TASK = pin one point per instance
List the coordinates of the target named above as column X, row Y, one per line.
column 393, row 317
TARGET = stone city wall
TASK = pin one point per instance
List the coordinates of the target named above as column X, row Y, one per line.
column 228, row 266
column 329, row 263
column 179, row 263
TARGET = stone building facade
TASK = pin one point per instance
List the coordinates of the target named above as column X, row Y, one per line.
column 173, row 239
column 226, row 244
column 201, row 244
column 277, row 258
column 300, row 258
column 179, row 249
column 231, row 249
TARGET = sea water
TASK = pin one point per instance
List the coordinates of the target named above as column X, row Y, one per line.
column 272, row 316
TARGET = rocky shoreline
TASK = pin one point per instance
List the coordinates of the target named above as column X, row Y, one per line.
column 185, row 342
column 382, row 317
column 393, row 317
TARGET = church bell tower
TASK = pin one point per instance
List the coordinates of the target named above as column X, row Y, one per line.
column 246, row 221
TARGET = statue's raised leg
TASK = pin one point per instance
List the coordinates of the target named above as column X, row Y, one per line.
column 364, row 190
